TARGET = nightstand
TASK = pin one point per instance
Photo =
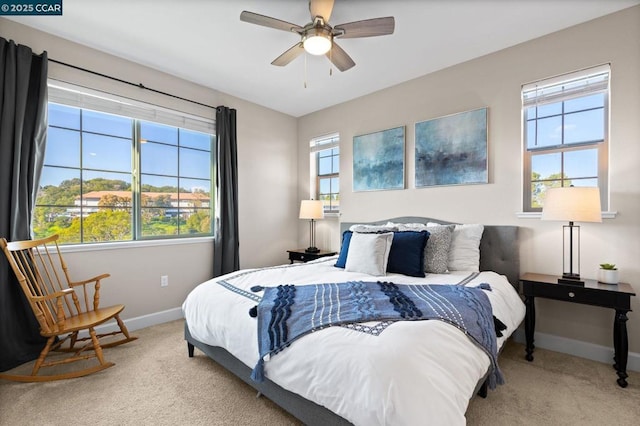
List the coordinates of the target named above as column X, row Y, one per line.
column 302, row 256
column 613, row 296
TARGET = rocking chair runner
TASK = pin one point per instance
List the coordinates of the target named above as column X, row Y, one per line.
column 39, row 267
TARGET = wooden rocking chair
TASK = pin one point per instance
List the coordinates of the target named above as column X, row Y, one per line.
column 58, row 309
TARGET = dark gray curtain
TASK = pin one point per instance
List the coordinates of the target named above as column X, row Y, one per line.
column 226, row 246
column 23, row 125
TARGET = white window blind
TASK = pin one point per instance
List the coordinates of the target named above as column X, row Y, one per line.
column 566, row 86
column 325, row 142
column 81, row 97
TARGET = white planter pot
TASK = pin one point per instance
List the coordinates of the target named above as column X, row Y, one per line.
column 608, row 276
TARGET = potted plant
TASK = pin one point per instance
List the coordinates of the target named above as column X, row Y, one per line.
column 608, row 273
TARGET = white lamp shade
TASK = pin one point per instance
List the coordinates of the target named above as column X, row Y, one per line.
column 311, row 209
column 572, row 204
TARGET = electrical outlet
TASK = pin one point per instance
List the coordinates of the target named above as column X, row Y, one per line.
column 164, row 280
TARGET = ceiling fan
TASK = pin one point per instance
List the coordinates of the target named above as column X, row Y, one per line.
column 318, row 37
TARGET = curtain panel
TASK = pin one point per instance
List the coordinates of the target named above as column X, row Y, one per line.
column 23, row 125
column 226, row 244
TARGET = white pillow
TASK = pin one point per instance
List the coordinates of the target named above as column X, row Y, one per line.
column 369, row 253
column 411, row 226
column 464, row 253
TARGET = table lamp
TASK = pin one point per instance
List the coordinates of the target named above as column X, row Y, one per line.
column 572, row 204
column 312, row 210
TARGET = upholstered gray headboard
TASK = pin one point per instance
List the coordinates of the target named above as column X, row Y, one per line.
column 499, row 248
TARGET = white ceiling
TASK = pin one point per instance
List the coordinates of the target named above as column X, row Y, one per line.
column 205, row 42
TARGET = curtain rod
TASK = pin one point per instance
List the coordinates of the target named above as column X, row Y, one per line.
column 138, row 85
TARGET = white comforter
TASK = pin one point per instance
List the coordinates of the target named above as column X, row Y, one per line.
column 413, row 372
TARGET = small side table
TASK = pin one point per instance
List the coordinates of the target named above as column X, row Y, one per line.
column 614, row 296
column 302, row 256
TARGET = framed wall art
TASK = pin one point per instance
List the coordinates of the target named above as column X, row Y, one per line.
column 378, row 160
column 452, row 150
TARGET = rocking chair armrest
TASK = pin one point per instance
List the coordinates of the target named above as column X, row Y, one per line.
column 55, row 295
column 90, row 280
column 96, row 293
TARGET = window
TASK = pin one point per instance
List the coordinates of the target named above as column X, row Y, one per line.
column 114, row 177
column 325, row 166
column 566, row 134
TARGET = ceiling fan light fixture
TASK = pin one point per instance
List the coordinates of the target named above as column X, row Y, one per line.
column 317, row 42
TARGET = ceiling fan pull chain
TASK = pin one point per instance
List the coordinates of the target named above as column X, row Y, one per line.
column 305, row 71
column 331, row 61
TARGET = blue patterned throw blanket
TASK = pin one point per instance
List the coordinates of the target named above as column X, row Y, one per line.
column 288, row 312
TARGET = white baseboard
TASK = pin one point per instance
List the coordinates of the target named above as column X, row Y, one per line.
column 154, row 319
column 578, row 348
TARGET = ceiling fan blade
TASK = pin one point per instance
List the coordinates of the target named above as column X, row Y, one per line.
column 367, row 28
column 289, row 55
column 321, row 8
column 339, row 57
column 267, row 21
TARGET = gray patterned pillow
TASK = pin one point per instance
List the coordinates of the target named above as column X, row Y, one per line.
column 437, row 250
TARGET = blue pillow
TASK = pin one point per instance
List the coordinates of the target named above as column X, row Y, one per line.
column 344, row 249
column 407, row 253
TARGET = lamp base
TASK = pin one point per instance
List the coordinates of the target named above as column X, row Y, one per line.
column 573, row 279
column 312, row 250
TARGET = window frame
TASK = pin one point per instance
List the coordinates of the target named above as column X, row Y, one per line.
column 318, row 145
column 602, row 146
column 69, row 95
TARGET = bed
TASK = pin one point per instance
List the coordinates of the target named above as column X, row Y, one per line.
column 377, row 371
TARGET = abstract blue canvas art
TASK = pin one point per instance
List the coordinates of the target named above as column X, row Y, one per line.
column 452, row 150
column 378, row 160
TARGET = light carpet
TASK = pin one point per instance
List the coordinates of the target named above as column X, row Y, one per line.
column 154, row 382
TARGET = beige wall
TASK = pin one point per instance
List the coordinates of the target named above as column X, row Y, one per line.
column 494, row 81
column 267, row 162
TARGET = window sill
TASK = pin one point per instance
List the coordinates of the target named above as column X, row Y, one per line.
column 538, row 215
column 121, row 245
